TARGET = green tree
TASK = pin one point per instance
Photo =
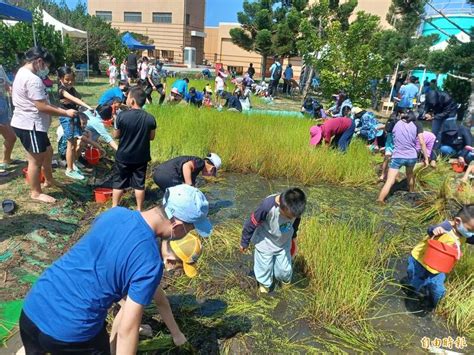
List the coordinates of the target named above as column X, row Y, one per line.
column 405, row 16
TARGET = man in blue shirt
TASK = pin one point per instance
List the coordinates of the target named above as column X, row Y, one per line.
column 287, row 77
column 408, row 94
column 178, row 90
column 276, row 71
column 121, row 257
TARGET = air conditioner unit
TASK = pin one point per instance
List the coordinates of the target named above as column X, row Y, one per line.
column 190, row 57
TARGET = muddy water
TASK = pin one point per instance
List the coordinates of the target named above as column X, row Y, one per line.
column 234, row 196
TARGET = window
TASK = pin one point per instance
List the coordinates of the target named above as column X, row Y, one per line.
column 162, row 17
column 188, row 19
column 167, row 55
column 104, row 15
column 132, row 17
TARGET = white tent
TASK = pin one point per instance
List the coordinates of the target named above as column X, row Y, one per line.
column 60, row 27
column 441, row 46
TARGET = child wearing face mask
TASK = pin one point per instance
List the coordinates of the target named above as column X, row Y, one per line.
column 69, row 98
column 420, row 276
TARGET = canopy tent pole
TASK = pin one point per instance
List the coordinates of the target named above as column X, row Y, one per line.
column 394, row 82
column 87, row 49
column 422, row 80
column 34, row 32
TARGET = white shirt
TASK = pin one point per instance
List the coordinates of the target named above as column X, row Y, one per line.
column 112, row 71
column 143, row 71
column 27, row 88
column 219, row 83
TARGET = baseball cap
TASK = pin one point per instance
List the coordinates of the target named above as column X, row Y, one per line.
column 188, row 204
column 215, row 160
column 188, row 249
column 316, row 133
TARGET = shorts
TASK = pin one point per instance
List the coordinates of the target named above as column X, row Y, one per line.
column 129, row 175
column 37, row 342
column 397, row 163
column 71, row 127
column 164, row 180
column 33, row 141
column 5, row 116
column 132, row 73
column 219, row 92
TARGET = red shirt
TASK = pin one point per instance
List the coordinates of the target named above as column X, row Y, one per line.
column 334, row 127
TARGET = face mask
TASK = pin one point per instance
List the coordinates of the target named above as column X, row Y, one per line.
column 463, row 231
column 43, row 73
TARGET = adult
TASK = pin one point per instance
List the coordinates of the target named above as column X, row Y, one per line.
column 455, row 141
column 407, row 95
column 251, row 70
column 132, row 67
column 340, row 130
column 194, row 97
column 122, row 256
column 275, row 76
column 144, row 68
column 32, row 118
column 287, row 78
column 178, row 90
column 185, row 170
column 232, row 102
column 154, row 81
column 6, row 130
column 439, row 107
column 343, row 105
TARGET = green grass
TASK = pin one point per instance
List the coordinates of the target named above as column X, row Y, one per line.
column 272, row 147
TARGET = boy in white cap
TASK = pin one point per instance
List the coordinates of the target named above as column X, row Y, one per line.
column 185, row 169
column 119, row 257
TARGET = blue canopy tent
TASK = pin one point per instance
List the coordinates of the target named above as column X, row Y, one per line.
column 131, row 43
column 10, row 12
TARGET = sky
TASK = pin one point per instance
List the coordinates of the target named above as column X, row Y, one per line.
column 216, row 10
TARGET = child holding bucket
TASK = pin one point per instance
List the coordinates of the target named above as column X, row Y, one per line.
column 135, row 128
column 427, row 266
column 69, row 98
column 272, row 228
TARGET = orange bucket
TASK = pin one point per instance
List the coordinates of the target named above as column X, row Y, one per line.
column 458, row 167
column 102, row 194
column 25, row 174
column 440, row 256
column 92, row 155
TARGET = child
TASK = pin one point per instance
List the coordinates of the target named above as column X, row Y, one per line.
column 123, row 70
column 111, row 100
column 135, row 128
column 207, row 101
column 272, row 227
column 112, row 72
column 341, row 128
column 219, row 86
column 69, row 98
column 194, row 97
column 405, row 134
column 178, row 90
column 185, row 169
column 456, row 232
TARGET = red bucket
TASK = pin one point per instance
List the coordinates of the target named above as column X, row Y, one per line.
column 440, row 256
column 102, row 194
column 108, row 123
column 92, row 155
column 25, row 174
column 458, row 167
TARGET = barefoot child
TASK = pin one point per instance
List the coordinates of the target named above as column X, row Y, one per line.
column 135, row 128
column 454, row 232
column 272, row 227
column 69, row 98
column 405, row 134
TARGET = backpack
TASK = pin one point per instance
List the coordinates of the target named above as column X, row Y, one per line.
column 277, row 72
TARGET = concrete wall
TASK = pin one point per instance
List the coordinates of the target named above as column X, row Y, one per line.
column 168, row 36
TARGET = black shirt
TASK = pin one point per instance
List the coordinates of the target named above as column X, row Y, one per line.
column 233, row 102
column 135, row 127
column 132, row 61
column 456, row 141
column 173, row 169
column 65, row 103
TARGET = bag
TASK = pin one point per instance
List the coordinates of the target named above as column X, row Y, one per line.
column 277, row 72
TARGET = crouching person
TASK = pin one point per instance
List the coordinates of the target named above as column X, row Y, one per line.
column 121, row 256
column 272, row 227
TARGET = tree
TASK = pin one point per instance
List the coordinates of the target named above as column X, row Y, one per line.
column 269, row 27
column 405, row 16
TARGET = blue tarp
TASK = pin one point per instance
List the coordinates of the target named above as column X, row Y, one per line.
column 132, row 43
column 10, row 12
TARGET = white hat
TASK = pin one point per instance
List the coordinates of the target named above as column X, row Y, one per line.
column 215, row 160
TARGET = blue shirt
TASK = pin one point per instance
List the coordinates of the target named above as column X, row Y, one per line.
column 199, row 96
column 118, row 256
column 111, row 94
column 181, row 86
column 288, row 73
column 407, row 94
column 96, row 126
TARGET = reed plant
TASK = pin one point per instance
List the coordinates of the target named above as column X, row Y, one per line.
column 272, row 147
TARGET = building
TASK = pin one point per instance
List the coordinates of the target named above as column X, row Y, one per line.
column 218, row 46
column 173, row 25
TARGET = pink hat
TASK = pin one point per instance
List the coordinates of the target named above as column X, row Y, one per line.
column 316, row 133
